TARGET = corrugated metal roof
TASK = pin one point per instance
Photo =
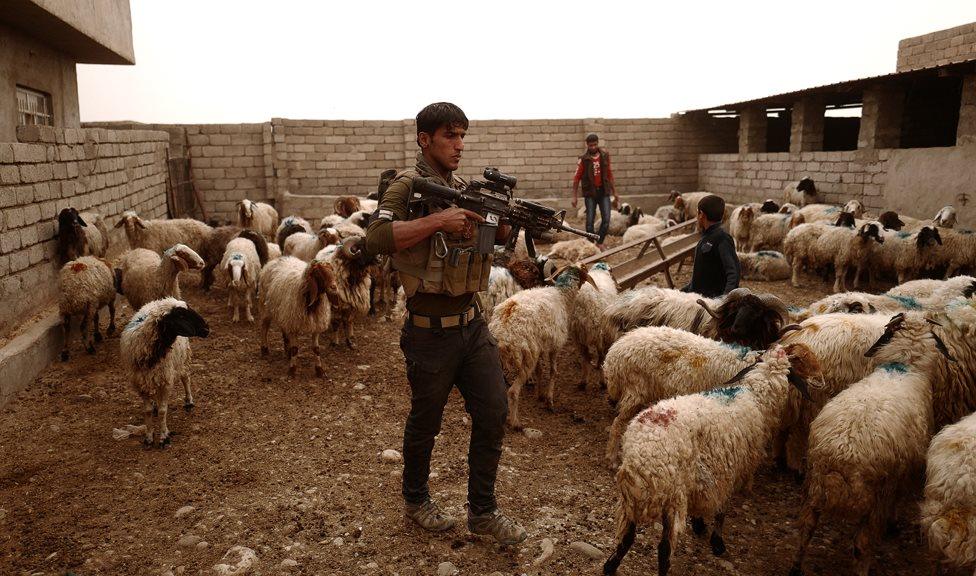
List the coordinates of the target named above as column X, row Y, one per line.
column 847, row 87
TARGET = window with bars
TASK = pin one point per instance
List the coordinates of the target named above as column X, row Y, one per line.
column 34, row 107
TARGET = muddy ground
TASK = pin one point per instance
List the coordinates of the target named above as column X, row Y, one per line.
column 290, row 469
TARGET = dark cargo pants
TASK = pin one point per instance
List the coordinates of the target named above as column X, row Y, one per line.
column 439, row 359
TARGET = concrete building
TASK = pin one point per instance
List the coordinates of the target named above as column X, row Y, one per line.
column 40, row 43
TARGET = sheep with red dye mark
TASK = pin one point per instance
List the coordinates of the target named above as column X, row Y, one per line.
column 80, row 234
column 688, row 455
column 155, row 353
column 86, row 285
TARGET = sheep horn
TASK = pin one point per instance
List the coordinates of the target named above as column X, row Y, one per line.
column 350, row 247
column 789, row 328
column 775, row 304
column 703, row 304
column 891, row 327
column 941, row 347
column 552, row 277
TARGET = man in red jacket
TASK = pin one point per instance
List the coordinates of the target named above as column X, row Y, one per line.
column 593, row 170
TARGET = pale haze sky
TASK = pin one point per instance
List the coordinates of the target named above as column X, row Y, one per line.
column 222, row 61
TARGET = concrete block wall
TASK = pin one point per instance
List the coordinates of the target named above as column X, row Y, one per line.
column 839, row 176
column 228, row 163
column 49, row 169
column 943, row 47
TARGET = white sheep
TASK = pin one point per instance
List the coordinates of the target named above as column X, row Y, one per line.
column 686, row 203
column 740, row 224
column 501, row 285
column 645, row 229
column 351, row 268
column 86, row 285
column 926, row 288
column 800, row 243
column 944, row 218
column 764, row 266
column 619, row 223
column 587, row 319
column 845, row 249
column 801, row 193
column 818, row 212
column 650, row 364
column 241, row 267
column 867, row 445
column 948, row 511
column 155, row 353
column 290, row 225
column 914, row 253
column 305, row 246
column 296, row 296
column 147, row 276
column 531, row 327
column 257, row 216
column 768, row 231
column 958, row 251
column 569, row 251
column 158, row 235
column 687, row 456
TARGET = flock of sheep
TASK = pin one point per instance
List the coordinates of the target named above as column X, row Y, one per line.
column 863, row 395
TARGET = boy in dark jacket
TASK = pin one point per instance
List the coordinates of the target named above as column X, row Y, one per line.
column 716, row 264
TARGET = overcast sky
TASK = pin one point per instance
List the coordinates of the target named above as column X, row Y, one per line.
column 248, row 61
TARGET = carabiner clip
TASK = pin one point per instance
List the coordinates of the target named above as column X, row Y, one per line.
column 440, row 245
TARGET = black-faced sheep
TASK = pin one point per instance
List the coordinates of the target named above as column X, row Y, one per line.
column 290, row 225
column 801, row 193
column 80, row 234
column 155, row 352
column 86, row 285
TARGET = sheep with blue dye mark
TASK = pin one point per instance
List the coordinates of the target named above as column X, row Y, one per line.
column 764, row 266
column 818, row 212
column 948, row 511
column 158, row 235
column 147, row 276
column 868, row 444
column 689, row 455
column 296, row 296
column 155, row 353
column 531, row 327
column 86, row 285
column 587, row 319
column 650, row 364
column 240, row 267
column 257, row 216
column 291, row 225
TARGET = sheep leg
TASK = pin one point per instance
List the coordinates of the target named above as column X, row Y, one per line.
column 292, row 357
column 625, row 541
column 795, row 277
column 247, row 307
column 626, row 413
column 66, row 329
column 111, row 318
column 698, row 526
column 347, row 330
column 265, row 326
column 666, row 545
column 97, row 331
column 187, row 393
column 513, row 402
column 809, row 518
column 858, row 269
column 551, row 387
column 234, row 301
column 208, row 277
column 319, row 370
column 716, row 540
column 163, row 403
column 148, row 411
column 867, row 534
column 86, row 336
column 840, row 273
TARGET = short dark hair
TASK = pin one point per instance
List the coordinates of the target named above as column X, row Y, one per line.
column 438, row 114
column 592, row 137
column 713, row 207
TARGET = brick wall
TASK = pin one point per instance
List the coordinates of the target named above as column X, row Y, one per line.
column 228, row 163
column 943, row 47
column 840, row 176
column 100, row 170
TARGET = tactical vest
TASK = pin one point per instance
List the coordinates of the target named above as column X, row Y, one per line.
column 444, row 264
column 587, row 180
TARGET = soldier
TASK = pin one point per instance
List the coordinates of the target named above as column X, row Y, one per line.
column 445, row 339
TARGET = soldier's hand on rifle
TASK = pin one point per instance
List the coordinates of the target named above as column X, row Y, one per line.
column 454, row 220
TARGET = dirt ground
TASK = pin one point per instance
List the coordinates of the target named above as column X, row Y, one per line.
column 290, row 468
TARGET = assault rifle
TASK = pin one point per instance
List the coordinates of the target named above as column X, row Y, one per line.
column 494, row 201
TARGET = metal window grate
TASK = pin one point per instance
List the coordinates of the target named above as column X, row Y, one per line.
column 33, row 107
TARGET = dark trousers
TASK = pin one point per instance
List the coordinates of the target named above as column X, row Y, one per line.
column 437, row 361
column 603, row 201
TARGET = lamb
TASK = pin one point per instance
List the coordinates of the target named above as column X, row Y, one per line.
column 291, row 225
column 351, row 268
column 146, row 276
column 764, row 266
column 80, row 234
column 651, row 364
column 788, row 208
column 241, row 266
column 86, row 285
column 158, row 235
column 531, row 327
column 668, row 212
column 948, row 512
column 587, row 318
column 257, row 216
column 305, row 246
column 619, row 223
column 944, row 218
column 687, row 456
column 867, row 445
column 297, row 297
column 801, row 193
column 155, row 353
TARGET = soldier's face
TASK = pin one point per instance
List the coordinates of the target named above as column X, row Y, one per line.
column 444, row 148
